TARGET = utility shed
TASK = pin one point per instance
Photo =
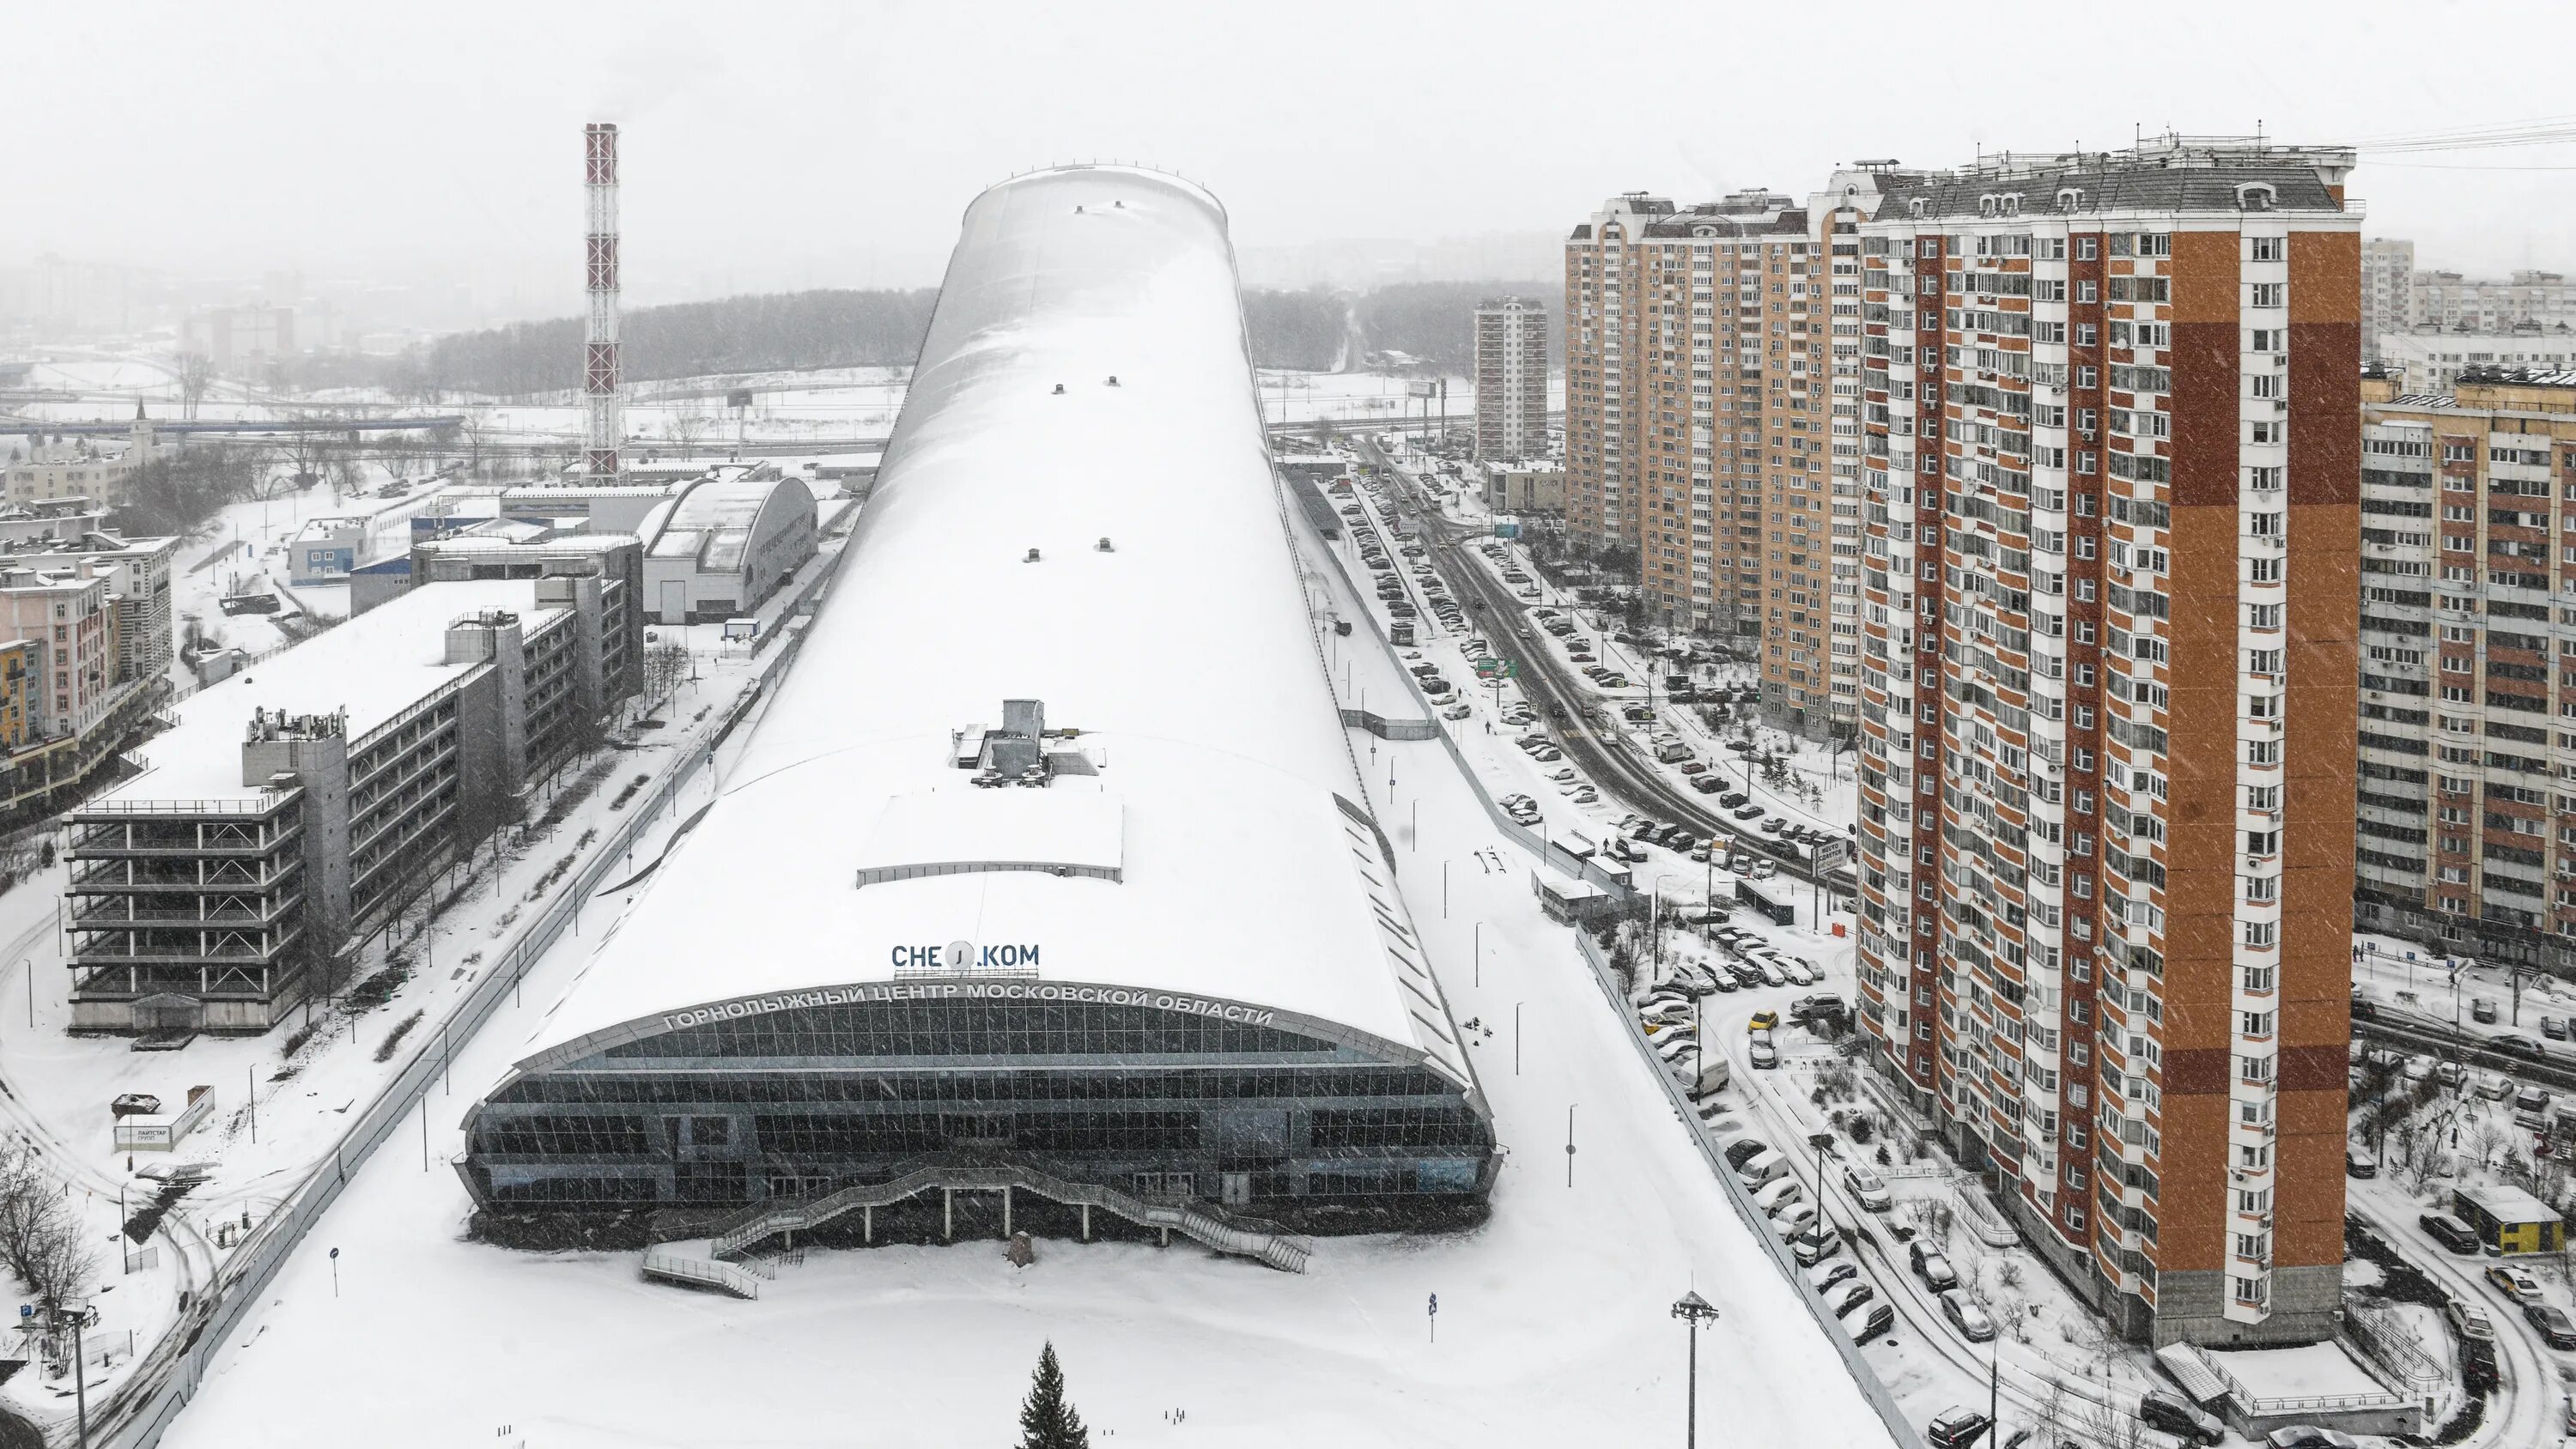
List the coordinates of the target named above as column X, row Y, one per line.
column 2509, row 1220
column 724, row 544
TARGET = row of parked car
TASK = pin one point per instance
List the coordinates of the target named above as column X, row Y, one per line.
column 1763, row 1170
column 1670, row 1017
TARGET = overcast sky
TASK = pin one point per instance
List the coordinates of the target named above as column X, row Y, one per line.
column 774, row 144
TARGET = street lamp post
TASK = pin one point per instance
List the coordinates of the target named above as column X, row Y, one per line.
column 1693, row 1311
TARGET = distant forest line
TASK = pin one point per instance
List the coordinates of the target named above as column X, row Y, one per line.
column 1313, row 330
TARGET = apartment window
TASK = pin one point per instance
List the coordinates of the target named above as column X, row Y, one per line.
column 2265, row 248
column 2271, row 294
column 2087, row 248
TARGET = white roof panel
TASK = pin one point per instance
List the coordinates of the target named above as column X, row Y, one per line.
column 1184, row 653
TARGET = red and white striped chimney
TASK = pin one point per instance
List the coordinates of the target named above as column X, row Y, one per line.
column 602, row 424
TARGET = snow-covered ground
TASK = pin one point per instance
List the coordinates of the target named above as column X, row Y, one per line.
column 1554, row 1323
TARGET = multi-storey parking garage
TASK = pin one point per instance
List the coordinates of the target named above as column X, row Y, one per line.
column 1141, row 934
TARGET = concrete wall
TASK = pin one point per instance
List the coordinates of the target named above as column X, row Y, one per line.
column 321, row 766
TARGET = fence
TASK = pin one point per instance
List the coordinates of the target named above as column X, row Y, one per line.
column 2385, row 1339
column 173, row 1369
column 1755, row 1222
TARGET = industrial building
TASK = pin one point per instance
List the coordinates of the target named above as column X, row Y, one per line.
column 979, row 903
column 300, row 802
column 2106, row 763
column 723, row 544
column 615, row 559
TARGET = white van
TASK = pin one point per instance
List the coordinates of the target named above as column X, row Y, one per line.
column 1767, row 1167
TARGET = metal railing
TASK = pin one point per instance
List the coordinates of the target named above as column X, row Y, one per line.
column 680, row 1268
column 1222, row 1231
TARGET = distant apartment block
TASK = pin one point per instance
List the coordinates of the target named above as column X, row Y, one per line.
column 2467, row 789
column 1511, row 379
column 302, row 802
column 2387, row 274
column 2434, row 361
column 233, row 337
column 1713, row 424
column 2110, row 674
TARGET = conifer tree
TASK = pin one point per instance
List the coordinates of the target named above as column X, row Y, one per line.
column 1046, row 1420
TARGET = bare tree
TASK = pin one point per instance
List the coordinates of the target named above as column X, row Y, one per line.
column 348, row 470
column 665, row 665
column 2485, row 1136
column 41, row 1239
column 196, row 371
column 2108, row 1426
column 2048, row 1416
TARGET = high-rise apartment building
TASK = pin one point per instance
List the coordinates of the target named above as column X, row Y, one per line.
column 1511, row 379
column 1712, row 424
column 2468, row 729
column 2387, row 272
column 2108, row 702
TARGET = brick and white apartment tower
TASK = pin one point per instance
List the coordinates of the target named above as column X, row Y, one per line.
column 602, row 425
column 1712, row 423
column 1511, row 380
column 2111, row 476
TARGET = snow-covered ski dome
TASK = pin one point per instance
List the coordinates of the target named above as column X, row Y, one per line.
column 1052, row 848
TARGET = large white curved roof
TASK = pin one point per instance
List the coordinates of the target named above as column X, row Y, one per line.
column 1184, row 653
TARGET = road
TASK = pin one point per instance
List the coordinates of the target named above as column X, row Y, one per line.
column 2530, row 1388
column 1603, row 756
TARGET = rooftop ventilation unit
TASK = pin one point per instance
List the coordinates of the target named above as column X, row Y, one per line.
column 1018, row 753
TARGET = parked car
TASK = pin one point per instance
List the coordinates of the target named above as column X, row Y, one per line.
column 1867, row 1188
column 1816, row 1244
column 1762, row 1169
column 2554, row 1027
column 2450, row 1232
column 2553, row 1323
column 1956, row 1428
column 1762, row 1053
column 2358, row 1161
column 1868, row 1320
column 2468, row 1320
column 2175, row 1416
column 2514, row 1283
column 1931, row 1267
column 1743, row 1150
column 1850, row 1295
column 2478, row 1365
column 1967, row 1317
column 1826, row 1277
